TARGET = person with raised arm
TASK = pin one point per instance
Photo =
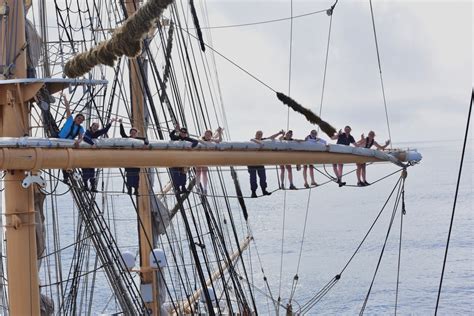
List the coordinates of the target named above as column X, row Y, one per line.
column 71, row 129
column 88, row 174
column 202, row 171
column 260, row 170
column 132, row 174
column 367, row 142
column 178, row 174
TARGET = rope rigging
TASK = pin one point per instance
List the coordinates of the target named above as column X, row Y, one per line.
column 203, row 218
column 305, row 308
column 380, row 71
column 461, row 163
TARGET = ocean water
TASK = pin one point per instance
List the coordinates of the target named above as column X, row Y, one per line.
column 339, row 218
column 335, row 220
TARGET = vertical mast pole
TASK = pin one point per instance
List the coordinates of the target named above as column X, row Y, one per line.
column 23, row 281
column 143, row 201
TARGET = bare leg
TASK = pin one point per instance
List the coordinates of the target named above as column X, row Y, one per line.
column 363, row 171
column 282, row 176
column 305, row 175
column 358, row 172
column 311, row 175
column 204, row 179
column 339, row 169
column 290, row 174
column 336, row 172
column 198, row 176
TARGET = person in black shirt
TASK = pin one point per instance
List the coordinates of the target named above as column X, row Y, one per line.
column 367, row 142
column 88, row 174
column 132, row 174
column 178, row 174
column 342, row 139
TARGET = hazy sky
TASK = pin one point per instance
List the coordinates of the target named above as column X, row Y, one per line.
column 426, row 56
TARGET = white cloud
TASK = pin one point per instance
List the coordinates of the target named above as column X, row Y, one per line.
column 426, row 56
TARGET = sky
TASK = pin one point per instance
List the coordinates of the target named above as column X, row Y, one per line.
column 425, row 53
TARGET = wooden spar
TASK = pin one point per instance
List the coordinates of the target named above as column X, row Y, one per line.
column 68, row 158
column 187, row 305
column 145, row 228
column 22, row 273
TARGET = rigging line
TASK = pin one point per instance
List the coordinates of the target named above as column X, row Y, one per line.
column 454, row 204
column 235, row 64
column 402, row 213
column 325, row 67
column 301, row 247
column 394, row 212
column 380, row 71
column 289, row 65
column 282, row 170
column 263, row 22
column 371, row 226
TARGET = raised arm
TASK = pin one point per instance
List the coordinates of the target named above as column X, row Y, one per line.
column 336, row 136
column 282, row 132
column 382, row 147
column 218, row 135
column 174, row 134
column 122, row 130
column 68, row 107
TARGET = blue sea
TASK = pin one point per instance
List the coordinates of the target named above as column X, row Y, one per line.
column 339, row 218
column 334, row 221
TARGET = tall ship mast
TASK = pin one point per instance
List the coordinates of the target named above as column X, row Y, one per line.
column 155, row 251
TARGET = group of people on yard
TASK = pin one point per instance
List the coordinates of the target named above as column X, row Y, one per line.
column 343, row 138
column 73, row 130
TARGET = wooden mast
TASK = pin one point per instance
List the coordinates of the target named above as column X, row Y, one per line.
column 145, row 230
column 23, row 281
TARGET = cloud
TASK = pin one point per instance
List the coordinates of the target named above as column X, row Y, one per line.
column 425, row 51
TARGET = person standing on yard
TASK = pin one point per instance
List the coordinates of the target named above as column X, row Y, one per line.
column 367, row 142
column 260, row 170
column 88, row 174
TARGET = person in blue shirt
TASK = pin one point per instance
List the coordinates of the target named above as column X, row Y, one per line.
column 88, row 174
column 71, row 129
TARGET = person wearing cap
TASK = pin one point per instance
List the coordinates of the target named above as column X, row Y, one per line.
column 132, row 174
column 71, row 129
column 342, row 139
column 311, row 138
column 367, row 142
column 88, row 174
column 260, row 170
column 178, row 174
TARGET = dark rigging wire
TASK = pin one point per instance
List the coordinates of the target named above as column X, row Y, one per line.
column 454, row 205
column 380, row 71
column 264, row 22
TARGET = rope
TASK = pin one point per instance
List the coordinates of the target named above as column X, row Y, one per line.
column 264, row 22
column 234, row 63
column 380, row 71
column 325, row 66
column 395, row 208
column 400, row 245
column 320, row 294
column 454, row 205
